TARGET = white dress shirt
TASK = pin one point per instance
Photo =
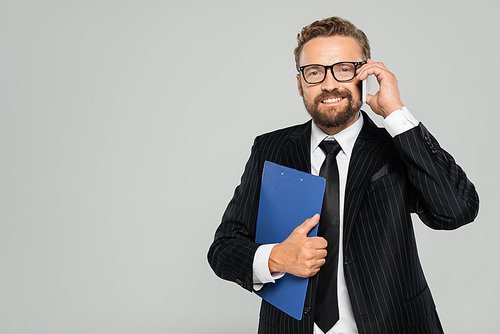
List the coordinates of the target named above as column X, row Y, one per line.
column 396, row 123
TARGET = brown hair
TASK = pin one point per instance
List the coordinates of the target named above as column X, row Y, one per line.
column 332, row 26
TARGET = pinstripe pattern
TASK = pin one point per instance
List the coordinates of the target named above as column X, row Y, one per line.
column 388, row 179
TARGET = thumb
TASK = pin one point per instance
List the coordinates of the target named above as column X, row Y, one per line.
column 369, row 98
column 307, row 225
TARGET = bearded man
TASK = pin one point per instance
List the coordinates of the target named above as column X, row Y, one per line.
column 364, row 270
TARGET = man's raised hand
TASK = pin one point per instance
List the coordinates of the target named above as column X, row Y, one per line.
column 387, row 99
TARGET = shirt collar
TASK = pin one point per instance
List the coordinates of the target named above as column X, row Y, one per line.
column 346, row 138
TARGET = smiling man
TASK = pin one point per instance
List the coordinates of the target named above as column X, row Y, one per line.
column 334, row 105
column 364, row 267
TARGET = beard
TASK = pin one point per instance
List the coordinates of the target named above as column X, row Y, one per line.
column 334, row 117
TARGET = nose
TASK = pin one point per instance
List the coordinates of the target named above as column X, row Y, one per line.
column 329, row 84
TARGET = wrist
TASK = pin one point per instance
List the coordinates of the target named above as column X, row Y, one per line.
column 274, row 263
column 399, row 121
column 392, row 108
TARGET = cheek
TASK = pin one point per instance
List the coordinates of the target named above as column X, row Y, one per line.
column 355, row 89
column 358, row 86
column 309, row 93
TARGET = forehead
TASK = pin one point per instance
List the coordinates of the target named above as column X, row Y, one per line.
column 330, row 50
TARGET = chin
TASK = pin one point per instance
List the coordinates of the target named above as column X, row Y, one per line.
column 335, row 119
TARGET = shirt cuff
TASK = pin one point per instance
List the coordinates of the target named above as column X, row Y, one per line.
column 400, row 121
column 261, row 274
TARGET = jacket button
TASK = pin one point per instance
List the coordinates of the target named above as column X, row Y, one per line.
column 307, row 310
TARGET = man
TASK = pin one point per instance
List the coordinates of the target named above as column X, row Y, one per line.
column 364, row 267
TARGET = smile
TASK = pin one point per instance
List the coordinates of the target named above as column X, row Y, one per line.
column 332, row 100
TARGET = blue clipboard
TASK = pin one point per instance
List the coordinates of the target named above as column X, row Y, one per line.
column 287, row 198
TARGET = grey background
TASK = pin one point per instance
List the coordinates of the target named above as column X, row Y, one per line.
column 107, row 109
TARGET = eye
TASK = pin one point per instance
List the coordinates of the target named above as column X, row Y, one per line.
column 345, row 69
column 313, row 75
column 313, row 72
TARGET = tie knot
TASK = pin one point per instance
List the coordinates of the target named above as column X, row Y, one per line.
column 330, row 146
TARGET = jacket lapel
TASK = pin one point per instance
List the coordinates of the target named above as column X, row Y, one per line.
column 296, row 152
column 368, row 156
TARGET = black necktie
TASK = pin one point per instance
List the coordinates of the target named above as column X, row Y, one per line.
column 327, row 313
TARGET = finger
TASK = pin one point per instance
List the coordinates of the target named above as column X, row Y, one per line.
column 360, row 72
column 367, row 71
column 307, row 225
column 370, row 62
column 321, row 254
column 371, row 68
column 319, row 242
column 382, row 65
column 317, row 265
column 368, row 98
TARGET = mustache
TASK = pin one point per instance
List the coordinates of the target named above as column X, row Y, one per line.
column 333, row 95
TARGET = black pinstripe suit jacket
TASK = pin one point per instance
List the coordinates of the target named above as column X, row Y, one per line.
column 388, row 179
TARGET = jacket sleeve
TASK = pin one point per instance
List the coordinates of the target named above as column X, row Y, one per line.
column 440, row 192
column 232, row 251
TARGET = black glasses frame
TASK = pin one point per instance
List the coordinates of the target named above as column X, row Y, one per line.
column 355, row 63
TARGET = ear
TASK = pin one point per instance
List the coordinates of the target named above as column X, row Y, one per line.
column 299, row 85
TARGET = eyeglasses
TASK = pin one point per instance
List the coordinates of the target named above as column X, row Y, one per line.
column 316, row 73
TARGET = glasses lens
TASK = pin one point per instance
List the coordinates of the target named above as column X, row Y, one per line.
column 344, row 71
column 314, row 74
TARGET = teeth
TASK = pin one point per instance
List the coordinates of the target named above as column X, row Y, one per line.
column 332, row 100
